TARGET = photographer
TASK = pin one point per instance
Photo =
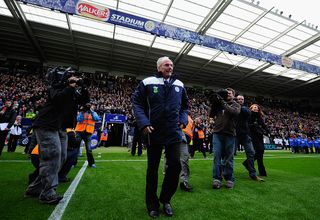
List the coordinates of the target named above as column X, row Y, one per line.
column 225, row 111
column 59, row 112
column 85, row 128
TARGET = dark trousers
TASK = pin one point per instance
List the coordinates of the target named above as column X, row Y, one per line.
column 171, row 178
column 12, row 143
column 136, row 140
column 197, row 145
column 52, row 154
column 72, row 156
column 3, row 136
column 35, row 162
column 86, row 137
column 259, row 157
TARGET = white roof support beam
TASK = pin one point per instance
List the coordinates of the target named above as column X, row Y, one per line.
column 154, row 38
column 269, row 43
column 21, row 19
column 233, row 40
column 288, row 53
column 213, row 15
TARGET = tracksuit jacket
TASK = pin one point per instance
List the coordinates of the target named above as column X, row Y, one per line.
column 162, row 105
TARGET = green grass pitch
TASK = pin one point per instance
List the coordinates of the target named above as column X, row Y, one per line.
column 115, row 189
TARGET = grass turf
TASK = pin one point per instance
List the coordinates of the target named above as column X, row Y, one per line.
column 115, row 189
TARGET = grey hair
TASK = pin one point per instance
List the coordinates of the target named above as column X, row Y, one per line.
column 160, row 60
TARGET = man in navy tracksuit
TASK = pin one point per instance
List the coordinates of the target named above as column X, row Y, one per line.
column 160, row 106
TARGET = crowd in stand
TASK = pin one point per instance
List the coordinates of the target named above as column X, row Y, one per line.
column 283, row 118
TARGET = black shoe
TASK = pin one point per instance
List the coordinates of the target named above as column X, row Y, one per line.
column 185, row 187
column 52, row 200
column 31, row 194
column 167, row 209
column 154, row 214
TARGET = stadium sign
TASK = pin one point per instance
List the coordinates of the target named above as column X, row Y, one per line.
column 92, row 11
column 286, row 61
column 116, row 118
column 87, row 9
column 128, row 21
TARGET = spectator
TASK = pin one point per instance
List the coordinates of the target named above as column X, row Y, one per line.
column 7, row 119
column 257, row 129
column 15, row 133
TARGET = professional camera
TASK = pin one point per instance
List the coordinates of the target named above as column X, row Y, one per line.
column 58, row 76
column 216, row 99
column 219, row 95
column 86, row 107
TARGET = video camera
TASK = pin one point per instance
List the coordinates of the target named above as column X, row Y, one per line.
column 86, row 107
column 58, row 76
column 216, row 99
column 217, row 96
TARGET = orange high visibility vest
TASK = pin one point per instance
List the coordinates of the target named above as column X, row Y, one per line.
column 200, row 134
column 87, row 124
column 104, row 136
column 189, row 128
column 35, row 150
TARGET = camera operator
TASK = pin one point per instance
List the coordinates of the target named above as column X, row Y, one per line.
column 85, row 128
column 58, row 113
column 225, row 111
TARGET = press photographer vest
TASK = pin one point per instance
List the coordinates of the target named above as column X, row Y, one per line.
column 87, row 124
column 104, row 136
column 200, row 134
column 189, row 129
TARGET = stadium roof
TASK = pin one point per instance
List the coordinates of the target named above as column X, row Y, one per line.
column 29, row 31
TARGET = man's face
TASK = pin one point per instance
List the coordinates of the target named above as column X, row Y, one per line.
column 240, row 99
column 230, row 95
column 166, row 68
column 8, row 103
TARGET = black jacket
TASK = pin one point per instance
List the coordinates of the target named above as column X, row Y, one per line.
column 9, row 117
column 242, row 122
column 60, row 110
column 257, row 129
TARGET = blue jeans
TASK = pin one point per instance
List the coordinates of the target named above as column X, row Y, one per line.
column 52, row 153
column 245, row 140
column 223, row 149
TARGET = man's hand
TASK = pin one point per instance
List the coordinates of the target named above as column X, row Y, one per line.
column 148, row 130
column 73, row 81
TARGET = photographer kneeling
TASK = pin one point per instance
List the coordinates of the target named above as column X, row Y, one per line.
column 58, row 113
column 85, row 128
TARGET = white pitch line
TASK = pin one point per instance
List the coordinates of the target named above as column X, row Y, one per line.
column 198, row 159
column 60, row 208
column 210, row 159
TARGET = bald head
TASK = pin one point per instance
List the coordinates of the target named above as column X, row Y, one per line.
column 240, row 99
column 165, row 66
